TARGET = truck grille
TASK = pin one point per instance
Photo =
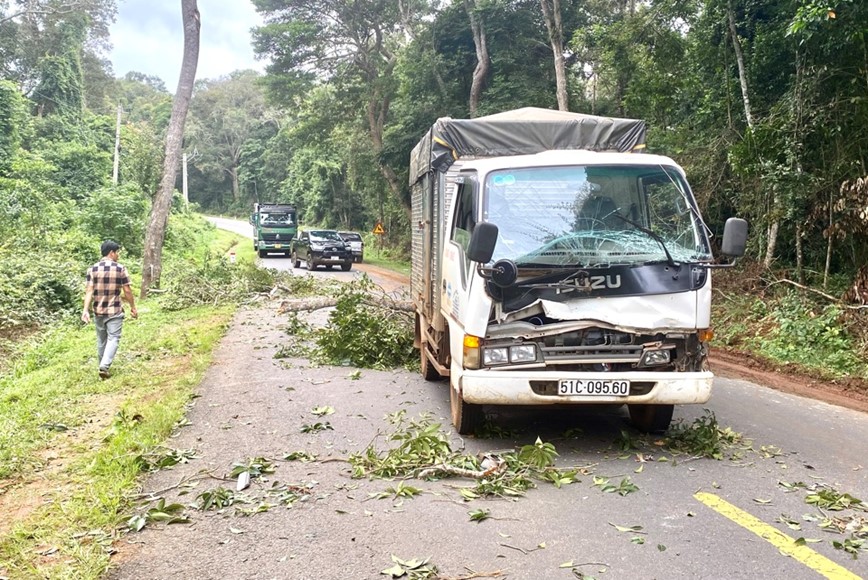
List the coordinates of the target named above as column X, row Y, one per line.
column 615, row 353
column 276, row 237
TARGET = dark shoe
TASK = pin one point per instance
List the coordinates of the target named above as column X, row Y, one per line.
column 104, row 373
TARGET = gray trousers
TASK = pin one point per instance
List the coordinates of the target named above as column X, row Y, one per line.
column 108, row 336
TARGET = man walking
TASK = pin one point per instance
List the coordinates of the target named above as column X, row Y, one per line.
column 105, row 280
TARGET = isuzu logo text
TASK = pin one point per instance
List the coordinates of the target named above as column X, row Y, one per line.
column 587, row 283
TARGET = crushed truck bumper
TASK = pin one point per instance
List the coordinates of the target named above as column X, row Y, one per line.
column 535, row 388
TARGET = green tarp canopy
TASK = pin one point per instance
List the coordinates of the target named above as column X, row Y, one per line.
column 521, row 132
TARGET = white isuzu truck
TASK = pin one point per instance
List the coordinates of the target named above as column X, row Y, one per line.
column 555, row 263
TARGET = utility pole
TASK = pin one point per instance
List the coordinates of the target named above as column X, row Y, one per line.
column 117, row 147
column 184, row 160
column 184, row 179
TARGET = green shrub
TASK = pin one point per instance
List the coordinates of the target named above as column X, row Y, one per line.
column 37, row 285
column 808, row 334
column 118, row 213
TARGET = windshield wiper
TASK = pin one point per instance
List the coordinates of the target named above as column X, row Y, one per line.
column 654, row 236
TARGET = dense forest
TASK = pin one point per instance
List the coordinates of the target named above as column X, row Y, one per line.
column 764, row 102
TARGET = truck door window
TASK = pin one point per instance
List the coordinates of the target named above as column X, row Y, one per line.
column 464, row 219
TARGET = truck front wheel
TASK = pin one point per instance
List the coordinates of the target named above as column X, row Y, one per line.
column 651, row 418
column 466, row 417
column 263, row 253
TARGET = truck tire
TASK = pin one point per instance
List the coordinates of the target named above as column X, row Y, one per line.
column 311, row 265
column 346, row 267
column 466, row 417
column 263, row 253
column 429, row 373
column 651, row 418
column 296, row 263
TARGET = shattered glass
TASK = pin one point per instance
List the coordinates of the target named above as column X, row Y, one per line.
column 593, row 216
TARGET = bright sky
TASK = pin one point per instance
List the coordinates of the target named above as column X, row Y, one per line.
column 148, row 37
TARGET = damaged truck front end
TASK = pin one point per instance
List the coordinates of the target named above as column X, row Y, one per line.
column 562, row 276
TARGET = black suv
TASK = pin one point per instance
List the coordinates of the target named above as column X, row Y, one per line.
column 321, row 248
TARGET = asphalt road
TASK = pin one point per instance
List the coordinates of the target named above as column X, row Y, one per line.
column 744, row 516
column 389, row 281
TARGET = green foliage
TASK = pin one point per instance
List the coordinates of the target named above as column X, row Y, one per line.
column 625, row 487
column 539, row 455
column 78, row 169
column 417, row 443
column 701, row 438
column 119, row 214
column 799, row 331
column 365, row 334
column 218, row 498
column 159, row 513
column 832, row 500
column 13, row 116
column 36, row 284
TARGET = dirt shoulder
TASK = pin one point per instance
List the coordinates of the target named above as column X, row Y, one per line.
column 850, row 392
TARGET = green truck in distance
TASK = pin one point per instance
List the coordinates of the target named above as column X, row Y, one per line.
column 274, row 227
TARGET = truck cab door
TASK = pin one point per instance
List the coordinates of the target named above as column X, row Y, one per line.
column 456, row 273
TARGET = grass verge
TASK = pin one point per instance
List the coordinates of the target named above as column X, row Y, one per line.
column 387, row 262
column 70, row 443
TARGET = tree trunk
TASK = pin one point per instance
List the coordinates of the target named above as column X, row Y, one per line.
column 236, row 187
column 800, row 255
column 480, row 73
column 156, row 233
column 829, row 240
column 552, row 14
column 772, row 243
column 739, row 58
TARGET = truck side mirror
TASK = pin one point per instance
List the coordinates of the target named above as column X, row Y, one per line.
column 252, row 218
column 482, row 242
column 734, row 237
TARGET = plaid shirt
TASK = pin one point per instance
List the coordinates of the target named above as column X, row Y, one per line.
column 107, row 278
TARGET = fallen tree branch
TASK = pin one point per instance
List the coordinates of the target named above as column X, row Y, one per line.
column 320, row 302
column 823, row 294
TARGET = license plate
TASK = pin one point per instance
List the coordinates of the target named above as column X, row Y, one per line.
column 594, row 387
column 334, row 258
column 277, row 246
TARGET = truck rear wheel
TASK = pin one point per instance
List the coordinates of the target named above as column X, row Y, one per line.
column 466, row 417
column 296, row 263
column 651, row 418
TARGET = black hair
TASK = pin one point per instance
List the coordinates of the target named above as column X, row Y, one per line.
column 108, row 247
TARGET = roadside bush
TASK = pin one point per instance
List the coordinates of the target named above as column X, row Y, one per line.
column 118, row 213
column 37, row 286
column 808, row 334
column 187, row 234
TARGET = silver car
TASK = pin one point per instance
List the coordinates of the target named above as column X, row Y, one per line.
column 357, row 245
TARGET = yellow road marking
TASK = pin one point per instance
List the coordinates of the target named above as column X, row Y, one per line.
column 787, row 545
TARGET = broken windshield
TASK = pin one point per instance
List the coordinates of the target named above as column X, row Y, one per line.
column 587, row 216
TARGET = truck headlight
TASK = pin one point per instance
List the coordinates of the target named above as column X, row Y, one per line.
column 654, row 358
column 522, row 353
column 495, row 356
